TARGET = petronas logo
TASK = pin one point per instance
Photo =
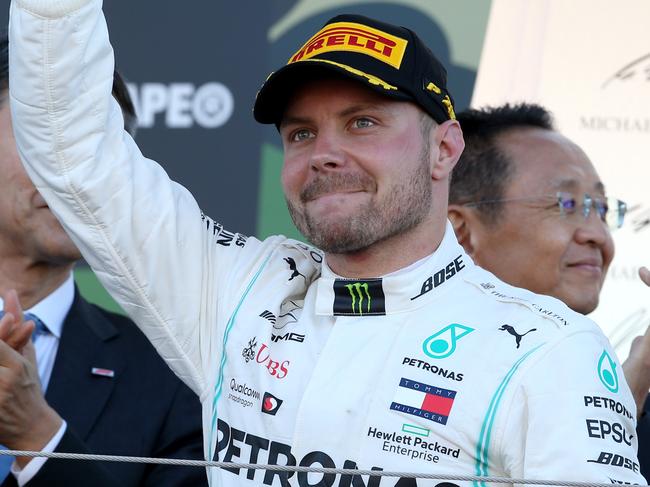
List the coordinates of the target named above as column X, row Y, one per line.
column 359, row 293
column 443, row 344
column 607, row 372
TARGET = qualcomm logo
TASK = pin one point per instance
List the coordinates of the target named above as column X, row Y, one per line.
column 443, row 343
column 183, row 104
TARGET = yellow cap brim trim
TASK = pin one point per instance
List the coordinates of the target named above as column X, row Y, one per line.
column 374, row 80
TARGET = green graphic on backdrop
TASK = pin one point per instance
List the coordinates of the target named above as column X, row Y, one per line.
column 463, row 24
column 463, row 21
column 272, row 214
column 93, row 291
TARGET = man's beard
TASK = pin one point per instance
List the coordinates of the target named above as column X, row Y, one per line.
column 405, row 206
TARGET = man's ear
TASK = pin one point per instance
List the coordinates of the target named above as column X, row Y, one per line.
column 449, row 138
column 462, row 221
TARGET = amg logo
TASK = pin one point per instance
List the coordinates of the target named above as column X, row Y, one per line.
column 267, row 315
column 289, row 337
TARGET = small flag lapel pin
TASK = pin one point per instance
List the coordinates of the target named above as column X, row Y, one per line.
column 102, row 372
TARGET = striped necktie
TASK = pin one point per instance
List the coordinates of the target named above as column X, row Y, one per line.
column 5, row 461
column 39, row 329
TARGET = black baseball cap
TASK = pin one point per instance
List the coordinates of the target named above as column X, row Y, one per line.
column 388, row 59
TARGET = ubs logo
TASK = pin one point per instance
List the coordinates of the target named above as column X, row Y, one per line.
column 277, row 369
column 249, row 352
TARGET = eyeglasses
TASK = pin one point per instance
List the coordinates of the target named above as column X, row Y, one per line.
column 610, row 210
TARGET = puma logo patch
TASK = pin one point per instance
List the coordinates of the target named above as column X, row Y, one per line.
column 514, row 333
column 294, row 269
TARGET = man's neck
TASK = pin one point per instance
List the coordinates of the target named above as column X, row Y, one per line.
column 32, row 281
column 390, row 255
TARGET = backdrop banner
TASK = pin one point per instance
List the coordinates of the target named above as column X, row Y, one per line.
column 194, row 69
column 588, row 62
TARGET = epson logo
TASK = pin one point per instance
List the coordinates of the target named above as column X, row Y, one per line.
column 183, row 104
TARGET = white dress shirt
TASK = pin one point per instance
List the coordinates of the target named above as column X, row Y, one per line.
column 52, row 311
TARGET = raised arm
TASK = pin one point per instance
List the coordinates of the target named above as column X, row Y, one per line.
column 143, row 234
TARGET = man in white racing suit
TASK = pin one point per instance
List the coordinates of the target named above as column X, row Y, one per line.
column 389, row 350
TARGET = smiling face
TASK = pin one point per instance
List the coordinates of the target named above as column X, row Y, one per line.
column 357, row 166
column 28, row 229
column 531, row 245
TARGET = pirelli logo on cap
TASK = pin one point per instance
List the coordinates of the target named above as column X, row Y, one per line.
column 348, row 36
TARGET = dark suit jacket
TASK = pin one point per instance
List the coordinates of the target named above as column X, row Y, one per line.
column 144, row 410
column 643, row 435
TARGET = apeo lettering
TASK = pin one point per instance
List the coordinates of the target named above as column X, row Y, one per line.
column 182, row 105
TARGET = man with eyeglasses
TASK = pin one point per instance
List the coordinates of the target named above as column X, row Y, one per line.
column 523, row 190
column 528, row 205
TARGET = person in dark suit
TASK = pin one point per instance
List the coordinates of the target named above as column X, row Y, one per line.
column 97, row 385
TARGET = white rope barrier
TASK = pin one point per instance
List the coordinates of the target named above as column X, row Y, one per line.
column 289, row 468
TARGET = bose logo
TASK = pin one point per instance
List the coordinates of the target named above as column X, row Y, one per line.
column 184, row 104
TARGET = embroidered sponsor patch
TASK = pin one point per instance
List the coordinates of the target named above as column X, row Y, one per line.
column 423, row 400
column 352, row 37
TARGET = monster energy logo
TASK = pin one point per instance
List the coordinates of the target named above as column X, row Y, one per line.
column 359, row 291
column 359, row 298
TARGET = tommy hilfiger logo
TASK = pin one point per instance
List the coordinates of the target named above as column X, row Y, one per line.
column 423, row 400
column 359, row 298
